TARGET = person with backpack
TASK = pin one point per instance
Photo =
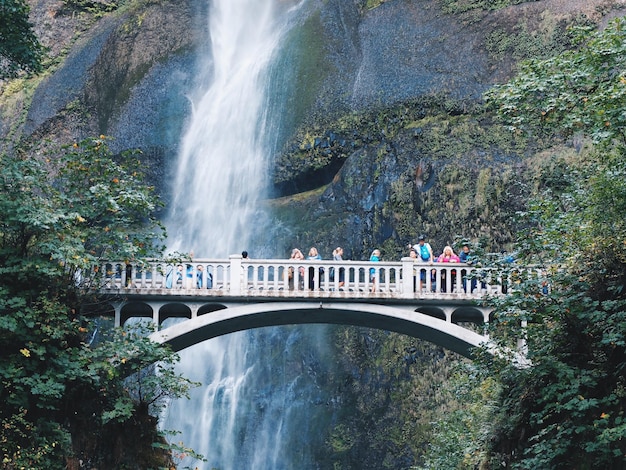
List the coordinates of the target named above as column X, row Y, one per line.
column 424, row 255
column 375, row 257
column 424, row 250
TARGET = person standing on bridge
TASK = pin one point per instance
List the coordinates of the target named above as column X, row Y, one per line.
column 424, row 255
column 297, row 255
column 338, row 256
column 179, row 275
column 448, row 256
column 189, row 276
column 199, row 276
column 466, row 256
column 375, row 257
column 314, row 255
column 424, row 250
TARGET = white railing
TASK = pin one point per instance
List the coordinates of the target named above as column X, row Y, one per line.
column 244, row 277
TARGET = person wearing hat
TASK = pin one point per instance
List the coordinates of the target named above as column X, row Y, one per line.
column 424, row 255
column 424, row 250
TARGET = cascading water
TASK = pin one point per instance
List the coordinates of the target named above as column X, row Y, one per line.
column 250, row 412
column 222, row 166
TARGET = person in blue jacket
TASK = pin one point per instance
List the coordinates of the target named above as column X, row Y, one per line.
column 375, row 257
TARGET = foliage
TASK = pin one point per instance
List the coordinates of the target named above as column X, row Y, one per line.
column 20, row 50
column 461, row 6
column 522, row 42
column 568, row 409
column 65, row 214
column 64, row 400
column 92, row 6
column 459, row 433
column 580, row 91
column 369, row 4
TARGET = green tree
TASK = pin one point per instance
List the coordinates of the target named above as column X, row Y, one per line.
column 63, row 399
column 568, row 409
column 20, row 50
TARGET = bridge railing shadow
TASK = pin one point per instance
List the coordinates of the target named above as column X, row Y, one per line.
column 307, row 278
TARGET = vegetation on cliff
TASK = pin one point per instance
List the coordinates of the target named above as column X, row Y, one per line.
column 20, row 49
column 568, row 409
column 393, row 389
column 432, row 165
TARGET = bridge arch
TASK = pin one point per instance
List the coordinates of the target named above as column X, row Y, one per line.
column 134, row 309
column 389, row 318
column 208, row 308
column 174, row 310
column 471, row 314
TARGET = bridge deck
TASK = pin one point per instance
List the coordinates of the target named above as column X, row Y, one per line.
column 436, row 289
column 286, row 278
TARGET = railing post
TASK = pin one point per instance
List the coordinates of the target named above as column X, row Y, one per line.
column 408, row 278
column 118, row 315
column 522, row 346
column 235, row 275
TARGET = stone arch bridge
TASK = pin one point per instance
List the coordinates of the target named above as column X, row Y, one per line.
column 197, row 300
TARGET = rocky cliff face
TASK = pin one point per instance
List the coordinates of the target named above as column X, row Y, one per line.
column 384, row 139
column 401, row 146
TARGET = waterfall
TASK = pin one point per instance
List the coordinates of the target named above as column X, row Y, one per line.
column 221, row 171
column 250, row 410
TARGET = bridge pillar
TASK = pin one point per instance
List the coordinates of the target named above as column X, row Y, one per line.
column 486, row 313
column 118, row 313
column 522, row 346
column 236, row 274
column 406, row 289
column 448, row 311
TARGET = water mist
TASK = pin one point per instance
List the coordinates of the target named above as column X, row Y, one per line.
column 250, row 409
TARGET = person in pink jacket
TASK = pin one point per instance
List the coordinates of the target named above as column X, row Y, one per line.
column 448, row 256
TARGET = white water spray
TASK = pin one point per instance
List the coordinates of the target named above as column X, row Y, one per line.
column 221, row 177
column 222, row 166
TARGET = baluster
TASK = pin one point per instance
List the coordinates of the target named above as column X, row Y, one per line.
column 153, row 275
column 257, row 275
column 122, row 275
column 144, row 277
column 277, row 276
